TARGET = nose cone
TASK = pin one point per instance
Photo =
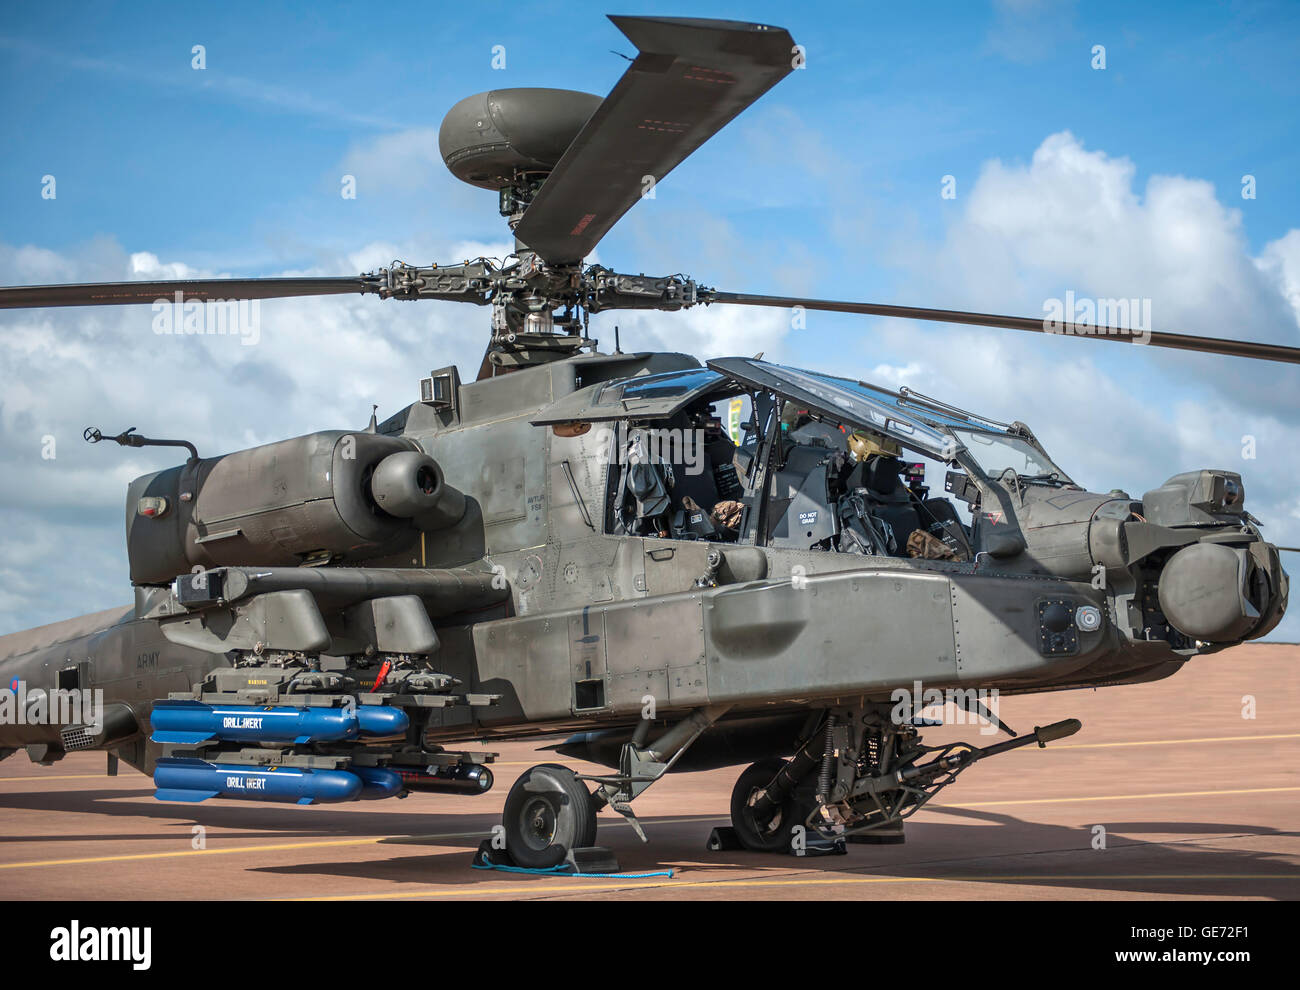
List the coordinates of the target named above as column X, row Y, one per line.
column 381, row 720
column 378, row 782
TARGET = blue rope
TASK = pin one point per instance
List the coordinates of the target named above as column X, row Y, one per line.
column 563, row 871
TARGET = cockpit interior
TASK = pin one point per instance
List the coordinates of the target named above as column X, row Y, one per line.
column 822, row 463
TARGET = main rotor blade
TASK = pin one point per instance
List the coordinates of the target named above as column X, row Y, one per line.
column 1157, row 338
column 201, row 290
column 691, row 78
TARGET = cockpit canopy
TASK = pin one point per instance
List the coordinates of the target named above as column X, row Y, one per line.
column 915, row 422
column 828, row 463
column 645, row 398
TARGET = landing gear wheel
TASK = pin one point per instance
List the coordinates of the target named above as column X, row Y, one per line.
column 775, row 835
column 548, row 812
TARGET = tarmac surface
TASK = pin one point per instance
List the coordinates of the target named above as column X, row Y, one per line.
column 1196, row 800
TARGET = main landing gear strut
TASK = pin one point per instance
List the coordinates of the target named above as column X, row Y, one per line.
column 857, row 778
column 549, row 811
column 855, row 775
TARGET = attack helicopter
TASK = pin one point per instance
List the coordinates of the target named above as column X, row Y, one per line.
column 572, row 545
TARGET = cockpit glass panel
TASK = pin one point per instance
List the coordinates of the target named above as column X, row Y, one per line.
column 998, row 453
column 669, row 384
column 645, row 397
column 845, row 401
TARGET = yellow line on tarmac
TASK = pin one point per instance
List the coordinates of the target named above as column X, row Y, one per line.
column 41, row 778
column 1122, row 797
column 414, row 839
column 635, row 885
column 532, row 763
column 195, row 852
column 1178, row 742
column 38, row 778
column 1109, row 745
column 314, row 844
column 400, row 840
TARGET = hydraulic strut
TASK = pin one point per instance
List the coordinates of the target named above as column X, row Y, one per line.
column 774, row 796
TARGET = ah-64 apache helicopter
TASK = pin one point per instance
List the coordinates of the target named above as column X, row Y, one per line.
column 327, row 618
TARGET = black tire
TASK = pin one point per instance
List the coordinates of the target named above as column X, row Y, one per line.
column 775, row 836
column 548, row 812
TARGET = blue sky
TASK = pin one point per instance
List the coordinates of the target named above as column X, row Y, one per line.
column 220, row 163
column 1124, row 181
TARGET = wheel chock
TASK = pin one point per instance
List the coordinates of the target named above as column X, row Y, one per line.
column 879, row 838
column 487, row 856
column 723, row 839
column 592, row 859
column 817, row 846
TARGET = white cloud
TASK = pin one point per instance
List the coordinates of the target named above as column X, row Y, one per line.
column 705, row 331
column 1072, row 218
column 319, row 364
column 406, row 160
column 146, row 265
column 895, row 376
column 1280, row 261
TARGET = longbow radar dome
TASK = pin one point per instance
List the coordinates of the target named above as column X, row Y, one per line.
column 486, row 138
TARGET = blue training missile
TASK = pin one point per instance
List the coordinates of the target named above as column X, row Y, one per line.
column 381, row 720
column 187, row 779
column 378, row 782
column 190, row 722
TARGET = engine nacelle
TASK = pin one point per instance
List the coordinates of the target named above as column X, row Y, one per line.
column 312, row 498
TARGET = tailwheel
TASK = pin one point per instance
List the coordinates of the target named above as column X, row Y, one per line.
column 774, row 833
column 548, row 812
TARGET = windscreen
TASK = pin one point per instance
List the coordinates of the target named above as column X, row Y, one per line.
column 842, row 401
column 998, row 453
